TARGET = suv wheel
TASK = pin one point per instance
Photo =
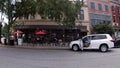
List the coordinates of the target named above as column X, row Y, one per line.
column 103, row 48
column 75, row 48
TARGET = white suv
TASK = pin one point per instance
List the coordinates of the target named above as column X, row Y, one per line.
column 97, row 41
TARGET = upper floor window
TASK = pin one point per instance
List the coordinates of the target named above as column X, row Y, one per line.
column 106, row 8
column 92, row 5
column 32, row 16
column 114, row 18
column 119, row 11
column 82, row 15
column 113, row 8
column 99, row 7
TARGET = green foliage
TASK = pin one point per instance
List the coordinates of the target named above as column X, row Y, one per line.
column 19, row 9
column 53, row 8
column 13, row 11
column 104, row 28
column 4, row 29
column 2, row 5
column 57, row 10
column 62, row 11
column 25, row 8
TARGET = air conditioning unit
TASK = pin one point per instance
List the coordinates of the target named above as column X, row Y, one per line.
column 115, row 24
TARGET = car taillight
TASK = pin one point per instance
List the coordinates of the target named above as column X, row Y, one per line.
column 112, row 40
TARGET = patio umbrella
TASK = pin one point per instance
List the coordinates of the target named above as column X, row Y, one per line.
column 18, row 31
column 40, row 32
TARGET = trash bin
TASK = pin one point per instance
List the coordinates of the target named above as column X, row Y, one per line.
column 20, row 41
column 12, row 42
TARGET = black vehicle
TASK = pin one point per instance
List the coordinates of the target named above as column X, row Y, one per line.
column 117, row 42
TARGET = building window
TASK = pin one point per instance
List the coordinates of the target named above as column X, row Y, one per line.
column 112, row 8
column 93, row 22
column 119, row 11
column 32, row 16
column 99, row 7
column 92, row 5
column 82, row 15
column 106, row 8
column 114, row 19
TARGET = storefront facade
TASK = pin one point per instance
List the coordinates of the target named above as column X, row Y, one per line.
column 52, row 29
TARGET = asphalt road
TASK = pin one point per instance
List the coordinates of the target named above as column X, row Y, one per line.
column 62, row 58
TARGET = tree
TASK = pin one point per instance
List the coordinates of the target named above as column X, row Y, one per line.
column 2, row 5
column 23, row 9
column 104, row 28
column 16, row 9
column 62, row 11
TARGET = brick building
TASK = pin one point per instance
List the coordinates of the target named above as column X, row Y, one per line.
column 115, row 9
column 99, row 12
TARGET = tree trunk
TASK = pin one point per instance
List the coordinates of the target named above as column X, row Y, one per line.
column 8, row 34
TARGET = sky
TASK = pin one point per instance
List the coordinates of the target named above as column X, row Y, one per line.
column 3, row 19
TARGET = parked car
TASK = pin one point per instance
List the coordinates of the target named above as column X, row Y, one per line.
column 96, row 41
column 117, row 42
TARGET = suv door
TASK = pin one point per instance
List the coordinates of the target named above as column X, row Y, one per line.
column 86, row 41
column 97, row 40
